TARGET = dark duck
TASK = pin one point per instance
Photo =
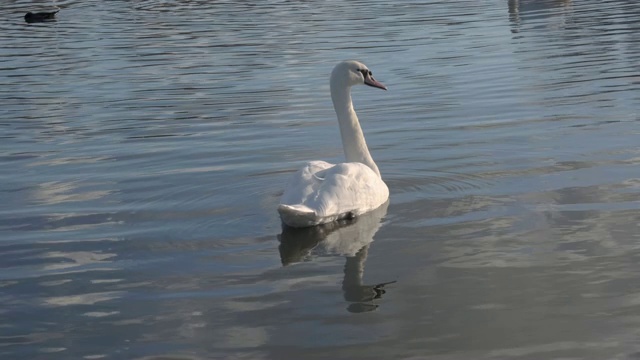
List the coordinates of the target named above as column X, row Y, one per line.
column 40, row 16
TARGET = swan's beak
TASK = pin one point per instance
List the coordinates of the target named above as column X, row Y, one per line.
column 369, row 80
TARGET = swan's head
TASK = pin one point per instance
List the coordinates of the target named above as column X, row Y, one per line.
column 349, row 73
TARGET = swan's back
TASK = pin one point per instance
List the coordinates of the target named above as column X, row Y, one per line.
column 321, row 192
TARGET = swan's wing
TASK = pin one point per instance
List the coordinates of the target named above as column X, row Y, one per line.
column 350, row 188
column 322, row 192
column 305, row 182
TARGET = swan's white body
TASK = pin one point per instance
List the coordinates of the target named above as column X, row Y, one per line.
column 321, row 192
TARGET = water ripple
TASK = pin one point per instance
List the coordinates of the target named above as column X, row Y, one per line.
column 144, row 146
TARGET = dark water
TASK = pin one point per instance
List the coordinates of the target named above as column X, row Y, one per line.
column 144, row 146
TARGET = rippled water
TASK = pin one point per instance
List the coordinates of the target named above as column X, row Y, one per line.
column 144, row 146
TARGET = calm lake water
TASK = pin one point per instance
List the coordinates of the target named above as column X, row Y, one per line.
column 144, row 146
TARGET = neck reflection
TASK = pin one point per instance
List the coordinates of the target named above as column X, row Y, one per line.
column 350, row 238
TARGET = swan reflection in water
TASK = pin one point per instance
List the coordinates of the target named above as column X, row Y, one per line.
column 350, row 238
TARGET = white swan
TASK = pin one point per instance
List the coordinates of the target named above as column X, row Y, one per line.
column 321, row 192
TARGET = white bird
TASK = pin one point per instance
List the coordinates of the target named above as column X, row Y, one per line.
column 321, row 192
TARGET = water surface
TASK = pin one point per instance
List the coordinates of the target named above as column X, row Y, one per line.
column 144, row 146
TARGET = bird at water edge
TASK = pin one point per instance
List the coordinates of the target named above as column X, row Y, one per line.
column 40, row 16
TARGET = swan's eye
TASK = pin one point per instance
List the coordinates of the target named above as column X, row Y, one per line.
column 365, row 72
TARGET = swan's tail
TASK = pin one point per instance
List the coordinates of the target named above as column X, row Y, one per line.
column 298, row 215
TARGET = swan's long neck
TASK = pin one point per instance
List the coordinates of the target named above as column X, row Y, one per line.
column 355, row 147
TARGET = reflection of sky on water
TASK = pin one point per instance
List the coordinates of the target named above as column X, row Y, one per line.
column 57, row 192
column 83, row 299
